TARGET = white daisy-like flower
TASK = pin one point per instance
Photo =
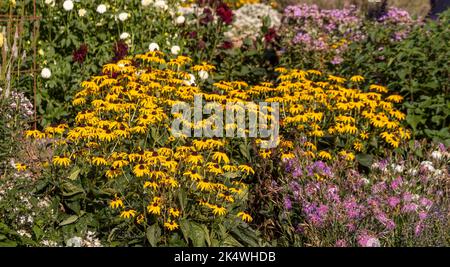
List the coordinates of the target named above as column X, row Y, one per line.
column 146, row 2
column 153, row 47
column 46, row 73
column 68, row 5
column 203, row 75
column 175, row 49
column 161, row 4
column 101, row 8
column 124, row 35
column 180, row 19
column 82, row 12
column 123, row 16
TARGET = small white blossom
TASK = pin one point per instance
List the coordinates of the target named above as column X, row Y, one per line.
column 68, row 5
column 101, row 8
column 123, row 16
column 46, row 73
column 180, row 19
column 428, row 165
column 74, row 242
column 161, row 4
column 124, row 35
column 437, row 155
column 146, row 2
column 203, row 75
column 82, row 12
column 153, row 47
column 175, row 49
column 397, row 168
column 50, row 2
column 191, row 81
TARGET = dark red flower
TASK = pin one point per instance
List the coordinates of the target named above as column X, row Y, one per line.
column 225, row 13
column 227, row 45
column 192, row 35
column 271, row 35
column 207, row 16
column 120, row 50
column 79, row 55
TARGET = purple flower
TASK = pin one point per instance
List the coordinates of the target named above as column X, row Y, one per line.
column 409, row 207
column 337, row 60
column 393, row 201
column 426, row 203
column 341, row 243
column 366, row 240
column 396, row 183
column 287, row 203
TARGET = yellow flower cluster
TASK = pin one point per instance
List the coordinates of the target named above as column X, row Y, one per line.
column 239, row 3
column 123, row 130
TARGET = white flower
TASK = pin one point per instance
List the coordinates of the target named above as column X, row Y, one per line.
column 124, row 35
column 101, row 9
column 74, row 242
column 438, row 173
column 146, row 2
column 437, row 155
column 203, row 75
column 123, row 16
column 175, row 49
column 50, row 2
column 153, row 47
column 412, row 172
column 180, row 19
column 191, row 81
column 161, row 4
column 365, row 181
column 46, row 73
column 428, row 165
column 68, row 5
column 82, row 12
column 397, row 168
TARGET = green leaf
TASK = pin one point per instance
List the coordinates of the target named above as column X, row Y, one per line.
column 414, row 120
column 231, row 242
column 185, row 227
column 74, row 174
column 153, row 234
column 8, row 243
column 37, row 232
column 365, row 159
column 197, row 235
column 70, row 189
column 69, row 220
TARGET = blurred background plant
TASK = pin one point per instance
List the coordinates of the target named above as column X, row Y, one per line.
column 16, row 109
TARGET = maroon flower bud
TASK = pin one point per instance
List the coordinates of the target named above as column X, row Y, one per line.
column 192, row 35
column 79, row 55
column 207, row 16
column 227, row 45
column 271, row 35
column 120, row 50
